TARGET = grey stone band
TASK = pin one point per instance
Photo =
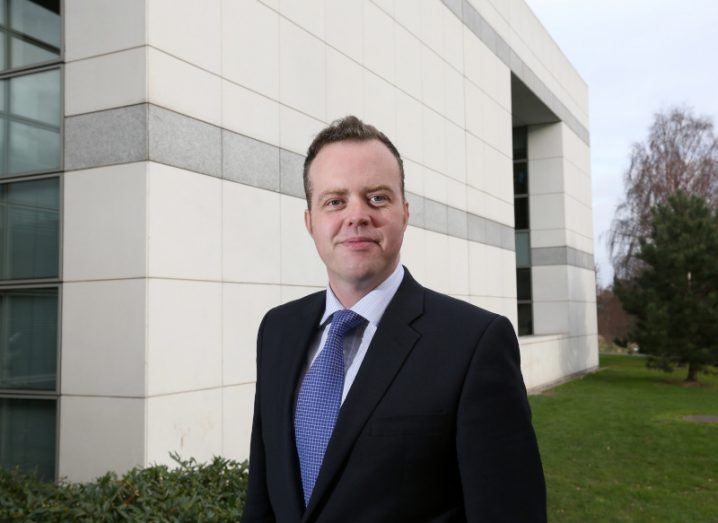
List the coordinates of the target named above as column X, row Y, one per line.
column 561, row 256
column 147, row 132
column 471, row 18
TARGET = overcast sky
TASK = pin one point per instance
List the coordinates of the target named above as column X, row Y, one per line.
column 637, row 57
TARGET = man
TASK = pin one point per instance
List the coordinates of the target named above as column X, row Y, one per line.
column 378, row 400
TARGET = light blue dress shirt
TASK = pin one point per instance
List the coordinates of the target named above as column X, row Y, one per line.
column 371, row 307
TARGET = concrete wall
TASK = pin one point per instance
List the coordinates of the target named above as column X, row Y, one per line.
column 185, row 126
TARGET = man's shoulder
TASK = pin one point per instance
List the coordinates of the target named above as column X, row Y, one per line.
column 291, row 308
column 443, row 305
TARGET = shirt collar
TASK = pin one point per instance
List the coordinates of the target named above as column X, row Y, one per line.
column 372, row 306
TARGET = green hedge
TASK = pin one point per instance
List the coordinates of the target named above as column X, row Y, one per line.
column 192, row 491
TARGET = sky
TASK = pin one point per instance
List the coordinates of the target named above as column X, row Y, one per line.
column 638, row 57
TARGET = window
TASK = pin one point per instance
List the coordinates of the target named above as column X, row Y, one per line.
column 30, row 165
column 522, row 231
column 29, row 32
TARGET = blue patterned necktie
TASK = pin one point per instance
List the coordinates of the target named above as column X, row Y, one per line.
column 319, row 399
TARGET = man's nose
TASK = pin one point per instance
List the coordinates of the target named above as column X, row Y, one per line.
column 357, row 213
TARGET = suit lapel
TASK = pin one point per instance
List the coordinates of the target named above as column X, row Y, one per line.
column 295, row 341
column 387, row 352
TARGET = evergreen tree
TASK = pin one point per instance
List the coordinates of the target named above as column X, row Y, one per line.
column 675, row 297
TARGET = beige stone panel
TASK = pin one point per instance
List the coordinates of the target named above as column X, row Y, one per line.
column 378, row 41
column 458, row 268
column 344, row 27
column 188, row 423
column 184, row 224
column 307, row 14
column 433, row 140
column 380, row 104
column 103, row 338
column 249, row 113
column 243, row 307
column 433, row 87
column 551, row 317
column 455, row 151
column 237, row 412
column 413, row 252
column 545, row 141
column 452, row 49
column 344, row 86
column 409, row 128
column 436, row 186
column 454, row 89
column 413, row 177
column 251, row 25
column 437, row 261
column 174, row 84
column 99, row 434
column 300, row 263
column 251, row 227
column 184, row 335
column 297, row 130
column 302, row 70
column 550, row 282
column 546, row 176
column 105, row 223
column 408, row 62
column 94, row 27
column 547, row 211
column 103, row 82
column 187, row 30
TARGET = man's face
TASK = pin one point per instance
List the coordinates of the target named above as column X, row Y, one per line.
column 358, row 217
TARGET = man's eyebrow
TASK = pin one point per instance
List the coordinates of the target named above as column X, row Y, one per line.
column 332, row 192
column 377, row 188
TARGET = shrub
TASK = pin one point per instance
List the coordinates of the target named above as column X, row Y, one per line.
column 192, row 491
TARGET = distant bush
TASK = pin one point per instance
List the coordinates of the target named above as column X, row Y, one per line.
column 192, row 492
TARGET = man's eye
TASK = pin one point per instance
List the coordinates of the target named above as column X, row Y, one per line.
column 378, row 198
column 334, row 202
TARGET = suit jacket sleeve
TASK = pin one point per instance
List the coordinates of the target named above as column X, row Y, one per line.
column 257, row 507
column 501, row 474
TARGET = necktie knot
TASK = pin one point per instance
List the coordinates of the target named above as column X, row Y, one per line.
column 343, row 321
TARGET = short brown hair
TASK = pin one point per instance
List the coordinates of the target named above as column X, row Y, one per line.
column 347, row 128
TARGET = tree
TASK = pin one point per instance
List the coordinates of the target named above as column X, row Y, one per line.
column 681, row 154
column 675, row 296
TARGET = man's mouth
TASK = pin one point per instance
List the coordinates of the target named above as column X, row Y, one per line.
column 358, row 242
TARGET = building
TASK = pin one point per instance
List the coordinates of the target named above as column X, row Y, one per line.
column 151, row 200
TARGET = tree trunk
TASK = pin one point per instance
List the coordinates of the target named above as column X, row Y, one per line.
column 693, row 369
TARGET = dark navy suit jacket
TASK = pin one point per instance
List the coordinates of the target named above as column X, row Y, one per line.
column 435, row 428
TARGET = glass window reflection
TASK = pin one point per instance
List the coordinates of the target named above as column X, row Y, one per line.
column 31, row 123
column 32, row 31
column 29, row 229
column 27, row 434
column 28, row 339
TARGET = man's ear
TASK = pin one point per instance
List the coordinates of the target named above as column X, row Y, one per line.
column 308, row 220
column 406, row 214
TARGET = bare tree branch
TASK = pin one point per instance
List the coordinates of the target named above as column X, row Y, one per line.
column 681, row 153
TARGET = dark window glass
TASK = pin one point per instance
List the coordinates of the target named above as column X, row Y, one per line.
column 520, row 141
column 526, row 323
column 31, row 33
column 521, row 178
column 30, row 118
column 29, row 229
column 521, row 213
column 523, row 249
column 28, row 339
column 523, row 284
column 27, row 435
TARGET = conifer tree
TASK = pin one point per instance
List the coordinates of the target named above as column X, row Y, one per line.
column 675, row 297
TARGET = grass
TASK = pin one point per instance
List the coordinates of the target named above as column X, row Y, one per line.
column 615, row 446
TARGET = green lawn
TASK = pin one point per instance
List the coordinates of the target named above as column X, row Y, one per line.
column 615, row 447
